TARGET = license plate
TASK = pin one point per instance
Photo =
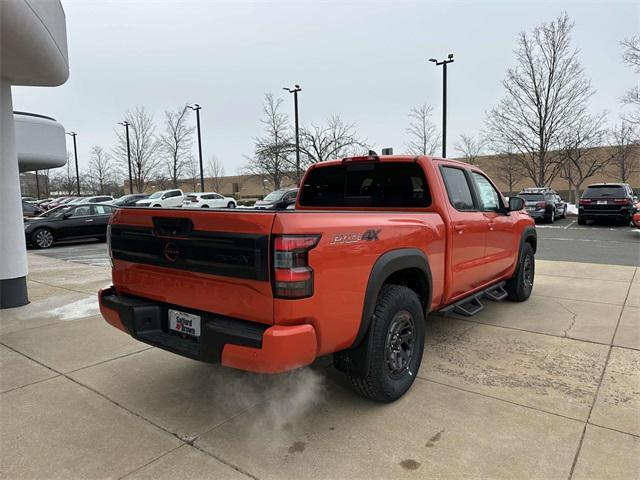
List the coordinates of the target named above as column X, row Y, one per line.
column 183, row 322
column 602, row 202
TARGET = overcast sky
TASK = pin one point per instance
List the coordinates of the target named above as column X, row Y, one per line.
column 366, row 61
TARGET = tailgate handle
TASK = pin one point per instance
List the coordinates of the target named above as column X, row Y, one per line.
column 172, row 227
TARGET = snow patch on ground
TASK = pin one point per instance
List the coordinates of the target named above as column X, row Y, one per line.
column 87, row 307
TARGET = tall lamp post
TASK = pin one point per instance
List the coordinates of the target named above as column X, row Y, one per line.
column 37, row 186
column 197, row 108
column 75, row 153
column 295, row 90
column 126, row 124
column 444, row 63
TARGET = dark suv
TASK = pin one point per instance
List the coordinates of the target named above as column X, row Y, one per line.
column 544, row 203
column 607, row 201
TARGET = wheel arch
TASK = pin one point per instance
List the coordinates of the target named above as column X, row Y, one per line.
column 529, row 235
column 407, row 267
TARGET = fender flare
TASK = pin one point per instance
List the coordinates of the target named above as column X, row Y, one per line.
column 386, row 265
column 527, row 233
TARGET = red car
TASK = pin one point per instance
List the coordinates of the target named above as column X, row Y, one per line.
column 374, row 245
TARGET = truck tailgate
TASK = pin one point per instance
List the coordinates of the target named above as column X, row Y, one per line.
column 214, row 260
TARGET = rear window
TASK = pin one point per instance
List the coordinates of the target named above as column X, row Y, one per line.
column 392, row 184
column 604, row 191
column 532, row 197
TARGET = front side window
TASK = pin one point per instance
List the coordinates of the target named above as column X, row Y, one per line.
column 385, row 185
column 458, row 188
column 489, row 198
column 83, row 211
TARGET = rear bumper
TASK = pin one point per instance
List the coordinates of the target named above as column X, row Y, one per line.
column 613, row 214
column 234, row 343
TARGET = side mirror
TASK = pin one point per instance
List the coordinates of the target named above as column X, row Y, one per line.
column 516, row 204
column 66, row 215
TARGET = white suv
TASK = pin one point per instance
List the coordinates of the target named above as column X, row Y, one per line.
column 208, row 200
column 163, row 198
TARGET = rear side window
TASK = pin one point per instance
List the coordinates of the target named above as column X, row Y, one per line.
column 604, row 191
column 392, row 184
column 457, row 188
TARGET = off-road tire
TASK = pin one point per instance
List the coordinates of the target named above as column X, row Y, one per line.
column 38, row 238
column 378, row 382
column 520, row 286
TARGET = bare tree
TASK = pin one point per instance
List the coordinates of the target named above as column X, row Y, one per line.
column 579, row 157
column 273, row 150
column 626, row 150
column 424, row 137
column 101, row 171
column 336, row 139
column 215, row 170
column 176, row 142
column 545, row 93
column 192, row 173
column 509, row 169
column 469, row 148
column 145, row 158
column 63, row 179
column 631, row 56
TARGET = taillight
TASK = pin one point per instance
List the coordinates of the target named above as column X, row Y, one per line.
column 541, row 205
column 109, row 245
column 622, row 201
column 585, row 201
column 293, row 277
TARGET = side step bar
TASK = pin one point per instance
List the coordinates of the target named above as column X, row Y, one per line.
column 472, row 304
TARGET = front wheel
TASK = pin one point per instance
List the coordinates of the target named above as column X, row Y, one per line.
column 42, row 238
column 394, row 346
column 520, row 286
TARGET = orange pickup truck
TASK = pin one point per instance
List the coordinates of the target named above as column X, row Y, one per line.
column 374, row 244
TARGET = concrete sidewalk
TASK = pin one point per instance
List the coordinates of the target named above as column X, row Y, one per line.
column 545, row 389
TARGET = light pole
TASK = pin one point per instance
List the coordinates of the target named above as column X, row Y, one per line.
column 126, row 124
column 197, row 108
column 75, row 153
column 444, row 99
column 295, row 90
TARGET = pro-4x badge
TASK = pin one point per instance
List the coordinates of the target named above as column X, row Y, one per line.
column 368, row 236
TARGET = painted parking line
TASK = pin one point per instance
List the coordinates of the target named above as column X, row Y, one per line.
column 569, row 225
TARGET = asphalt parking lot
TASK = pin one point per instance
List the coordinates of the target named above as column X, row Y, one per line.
column 592, row 243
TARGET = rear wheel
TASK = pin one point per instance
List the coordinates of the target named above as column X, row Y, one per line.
column 393, row 346
column 552, row 216
column 204, row 206
column 231, row 205
column 42, row 238
column 581, row 220
column 157, row 205
column 519, row 286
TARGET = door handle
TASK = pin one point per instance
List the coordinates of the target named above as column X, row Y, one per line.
column 459, row 229
column 89, row 220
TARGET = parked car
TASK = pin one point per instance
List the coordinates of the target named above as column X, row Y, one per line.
column 163, row 198
column 129, row 200
column 96, row 199
column 544, row 203
column 374, row 245
column 208, row 200
column 607, row 201
column 66, row 222
column 30, row 210
column 29, row 199
column 59, row 201
column 278, row 200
